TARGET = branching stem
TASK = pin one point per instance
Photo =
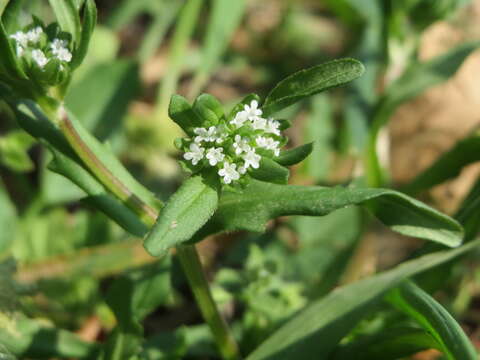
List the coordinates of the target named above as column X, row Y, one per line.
column 187, row 254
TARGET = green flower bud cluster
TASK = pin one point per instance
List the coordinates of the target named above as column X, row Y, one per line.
column 43, row 53
column 234, row 146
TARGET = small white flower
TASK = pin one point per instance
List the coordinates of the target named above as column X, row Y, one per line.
column 60, row 50
column 39, row 57
column 259, row 123
column 34, row 35
column 269, row 144
column 229, row 172
column 215, row 155
column 252, row 110
column 272, row 126
column 239, row 119
column 21, row 39
column 205, row 135
column 58, row 44
column 242, row 170
column 64, row 55
column 195, row 154
column 220, row 134
column 252, row 159
column 240, row 145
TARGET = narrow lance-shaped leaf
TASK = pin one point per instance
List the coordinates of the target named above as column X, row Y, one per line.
column 11, row 15
column 32, row 120
column 187, row 210
column 259, row 202
column 271, row 171
column 67, row 16
column 415, row 80
column 97, row 194
column 317, row 330
column 311, row 81
column 469, row 213
column 416, row 303
column 294, row 156
column 88, row 25
column 391, row 343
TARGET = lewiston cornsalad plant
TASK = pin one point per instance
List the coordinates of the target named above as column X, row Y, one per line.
column 238, row 170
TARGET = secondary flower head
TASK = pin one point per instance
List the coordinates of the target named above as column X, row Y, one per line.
column 233, row 146
column 43, row 55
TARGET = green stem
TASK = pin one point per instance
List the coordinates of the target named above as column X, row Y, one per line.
column 192, row 267
column 187, row 254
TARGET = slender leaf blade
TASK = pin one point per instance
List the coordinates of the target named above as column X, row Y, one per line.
column 11, row 15
column 259, row 202
column 89, row 22
column 67, row 16
column 294, row 156
column 416, row 303
column 311, row 81
column 318, row 329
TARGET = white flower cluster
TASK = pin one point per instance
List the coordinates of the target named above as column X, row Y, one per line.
column 30, row 42
column 235, row 147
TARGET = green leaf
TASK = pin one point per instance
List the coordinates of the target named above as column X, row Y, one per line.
column 182, row 113
column 132, row 297
column 9, row 66
column 32, row 120
column 89, row 22
column 27, row 338
column 449, row 165
column 311, row 81
column 208, row 108
column 259, row 202
column 416, row 79
column 101, row 98
column 68, row 18
column 319, row 328
column 97, row 194
column 427, row 312
column 11, row 15
column 270, row 171
column 294, row 156
column 14, row 148
column 135, row 295
column 187, row 210
column 225, row 17
column 469, row 213
column 389, row 344
column 8, row 221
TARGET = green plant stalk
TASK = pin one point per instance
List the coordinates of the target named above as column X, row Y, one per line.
column 187, row 254
column 190, row 261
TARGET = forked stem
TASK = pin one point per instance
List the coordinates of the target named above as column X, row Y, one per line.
column 187, row 254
